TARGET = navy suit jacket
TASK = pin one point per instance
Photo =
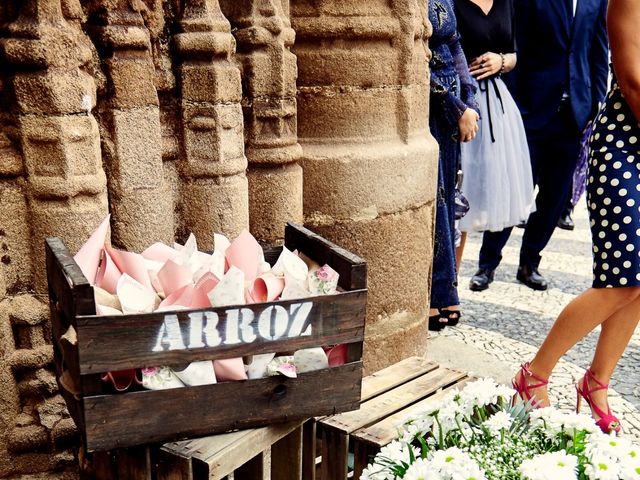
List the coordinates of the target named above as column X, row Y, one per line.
column 558, row 54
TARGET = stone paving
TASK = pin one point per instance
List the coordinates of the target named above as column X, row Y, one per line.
column 509, row 321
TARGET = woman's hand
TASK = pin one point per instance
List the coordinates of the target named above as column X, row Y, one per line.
column 486, row 65
column 468, row 125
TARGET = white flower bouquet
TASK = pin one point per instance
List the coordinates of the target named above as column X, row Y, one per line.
column 477, row 434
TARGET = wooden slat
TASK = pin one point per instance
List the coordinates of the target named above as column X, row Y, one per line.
column 73, row 404
column 369, row 440
column 226, row 454
column 381, row 433
column 115, row 421
column 70, row 288
column 335, row 451
column 254, row 469
column 363, row 453
column 123, row 342
column 173, row 465
column 351, row 268
column 394, row 375
column 309, row 445
column 392, row 401
column 102, row 467
column 286, row 457
column 134, row 463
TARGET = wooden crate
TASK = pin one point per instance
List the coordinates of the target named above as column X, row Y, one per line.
column 388, row 397
column 111, row 343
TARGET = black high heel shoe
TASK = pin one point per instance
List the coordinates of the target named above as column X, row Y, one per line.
column 452, row 316
column 435, row 323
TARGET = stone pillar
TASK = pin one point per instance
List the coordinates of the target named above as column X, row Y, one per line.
column 212, row 167
column 54, row 96
column 264, row 35
column 140, row 201
column 369, row 161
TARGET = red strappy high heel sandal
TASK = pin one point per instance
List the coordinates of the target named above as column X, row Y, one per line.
column 523, row 388
column 608, row 422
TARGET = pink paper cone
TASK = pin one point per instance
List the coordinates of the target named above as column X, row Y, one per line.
column 200, row 299
column 108, row 274
column 181, row 297
column 132, row 264
column 89, row 255
column 173, row 277
column 229, row 369
column 188, row 297
column 267, row 287
column 244, row 253
column 207, row 282
column 160, row 252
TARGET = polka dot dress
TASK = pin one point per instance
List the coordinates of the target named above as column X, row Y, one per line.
column 613, row 194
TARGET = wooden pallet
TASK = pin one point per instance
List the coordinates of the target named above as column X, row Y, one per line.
column 388, row 397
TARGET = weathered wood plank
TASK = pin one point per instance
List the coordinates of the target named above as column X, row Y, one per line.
column 286, row 457
column 351, row 268
column 335, row 452
column 71, row 290
column 226, row 454
column 254, row 469
column 390, row 402
column 123, row 342
column 362, row 455
column 385, row 431
column 102, row 467
column 134, row 463
column 219, row 407
column 309, row 445
column 172, row 465
column 73, row 404
column 394, row 375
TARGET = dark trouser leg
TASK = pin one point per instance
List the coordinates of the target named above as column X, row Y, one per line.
column 554, row 154
column 568, row 207
column 491, row 250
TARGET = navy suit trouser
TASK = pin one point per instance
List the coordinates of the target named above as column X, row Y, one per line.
column 554, row 154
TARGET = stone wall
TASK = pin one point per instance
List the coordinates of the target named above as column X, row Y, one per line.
column 181, row 116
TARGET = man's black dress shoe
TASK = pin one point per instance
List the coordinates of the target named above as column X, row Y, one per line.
column 481, row 280
column 531, row 277
column 566, row 222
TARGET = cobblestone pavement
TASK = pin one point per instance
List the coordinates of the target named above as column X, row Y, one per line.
column 509, row 321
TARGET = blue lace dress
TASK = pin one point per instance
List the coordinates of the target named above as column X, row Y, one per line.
column 452, row 92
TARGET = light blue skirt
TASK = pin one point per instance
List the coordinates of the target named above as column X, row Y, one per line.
column 496, row 165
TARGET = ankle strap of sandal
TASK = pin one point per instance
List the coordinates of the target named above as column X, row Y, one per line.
column 527, row 371
column 590, row 376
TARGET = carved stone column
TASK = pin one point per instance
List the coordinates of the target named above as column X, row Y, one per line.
column 54, row 96
column 264, row 35
column 140, row 201
column 369, row 161
column 212, row 167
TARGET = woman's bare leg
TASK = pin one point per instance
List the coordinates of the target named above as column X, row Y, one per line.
column 613, row 306
column 614, row 338
column 460, row 250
